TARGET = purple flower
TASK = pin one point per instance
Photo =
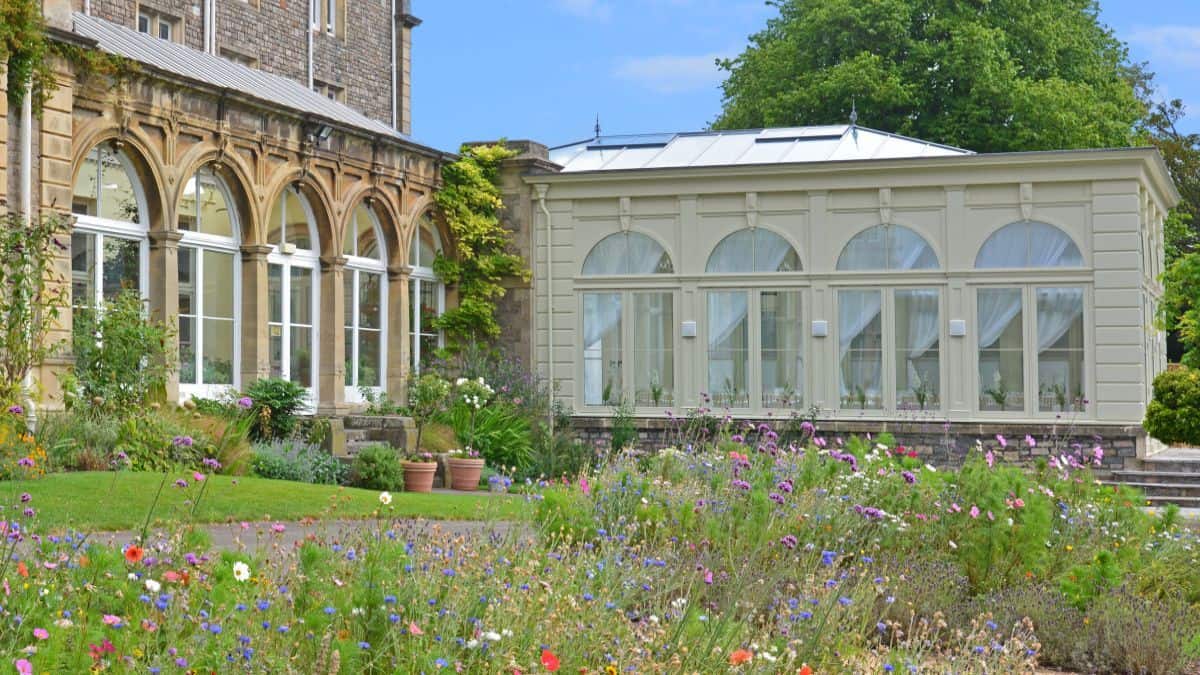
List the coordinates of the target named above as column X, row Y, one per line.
column 789, row 540
column 245, row 402
column 909, row 477
column 182, row 441
column 25, row 461
column 776, row 497
column 16, row 410
column 181, row 483
column 26, row 497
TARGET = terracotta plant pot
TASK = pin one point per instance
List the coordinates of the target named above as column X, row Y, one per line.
column 418, row 476
column 464, row 472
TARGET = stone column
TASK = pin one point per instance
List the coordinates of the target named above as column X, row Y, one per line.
column 164, row 292
column 255, row 339
column 331, row 374
column 399, row 338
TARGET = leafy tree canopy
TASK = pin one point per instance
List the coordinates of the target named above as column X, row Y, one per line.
column 988, row 75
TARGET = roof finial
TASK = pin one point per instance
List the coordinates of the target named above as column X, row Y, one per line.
column 853, row 113
column 597, row 126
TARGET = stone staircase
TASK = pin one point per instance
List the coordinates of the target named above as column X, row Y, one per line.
column 1169, row 477
column 363, row 430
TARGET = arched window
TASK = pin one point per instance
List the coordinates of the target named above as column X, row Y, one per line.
column 1028, row 244
column 109, row 246
column 627, row 253
column 209, row 277
column 753, row 250
column 427, row 295
column 366, row 303
column 292, row 289
column 1015, row 321
column 887, row 247
column 761, row 367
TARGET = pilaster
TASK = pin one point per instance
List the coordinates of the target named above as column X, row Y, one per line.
column 255, row 337
column 399, row 344
column 331, row 372
column 164, row 292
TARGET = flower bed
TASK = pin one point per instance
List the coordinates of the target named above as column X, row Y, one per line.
column 820, row 556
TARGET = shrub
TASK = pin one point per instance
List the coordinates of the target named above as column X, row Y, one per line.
column 558, row 454
column 624, row 433
column 77, row 439
column 1173, row 416
column 296, row 461
column 275, row 404
column 377, row 467
column 163, row 439
column 501, row 435
column 21, row 456
column 122, row 357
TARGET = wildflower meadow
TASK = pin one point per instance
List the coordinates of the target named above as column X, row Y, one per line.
column 737, row 550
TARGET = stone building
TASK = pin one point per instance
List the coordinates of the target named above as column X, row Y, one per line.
column 252, row 177
column 870, row 280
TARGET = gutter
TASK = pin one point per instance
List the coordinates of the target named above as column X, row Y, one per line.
column 541, row 189
column 26, row 204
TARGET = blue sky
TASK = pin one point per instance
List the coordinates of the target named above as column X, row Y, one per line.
column 543, row 69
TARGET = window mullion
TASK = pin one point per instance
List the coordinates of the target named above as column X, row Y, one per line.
column 887, row 361
column 1029, row 348
column 754, row 358
column 198, row 314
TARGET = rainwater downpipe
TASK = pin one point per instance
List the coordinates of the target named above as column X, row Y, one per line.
column 87, row 7
column 541, row 197
column 395, row 94
column 309, row 30
column 26, row 197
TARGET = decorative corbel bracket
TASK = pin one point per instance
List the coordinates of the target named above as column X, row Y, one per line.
column 1026, row 197
column 625, row 208
column 751, row 210
column 885, row 206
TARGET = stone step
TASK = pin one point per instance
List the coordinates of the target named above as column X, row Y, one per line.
column 1183, row 502
column 353, row 435
column 1174, row 464
column 1123, row 476
column 1165, row 489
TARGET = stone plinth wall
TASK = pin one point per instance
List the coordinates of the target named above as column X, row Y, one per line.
column 944, row 446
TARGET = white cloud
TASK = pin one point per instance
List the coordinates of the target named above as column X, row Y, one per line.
column 672, row 74
column 586, row 9
column 1171, row 44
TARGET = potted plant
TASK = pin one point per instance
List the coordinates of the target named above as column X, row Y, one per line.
column 464, row 467
column 420, row 467
column 426, row 395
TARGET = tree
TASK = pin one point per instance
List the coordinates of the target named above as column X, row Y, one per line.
column 987, row 75
column 1182, row 154
column 1180, row 307
column 32, row 294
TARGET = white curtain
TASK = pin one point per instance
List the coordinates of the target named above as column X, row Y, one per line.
column 626, row 253
column 1057, row 310
column 1028, row 244
column 601, row 315
column 924, row 328
column 996, row 308
column 866, row 251
column 892, row 247
column 908, row 250
column 733, row 254
column 856, row 311
column 652, row 327
column 726, row 313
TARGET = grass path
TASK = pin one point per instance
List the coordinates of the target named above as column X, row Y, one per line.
column 105, row 501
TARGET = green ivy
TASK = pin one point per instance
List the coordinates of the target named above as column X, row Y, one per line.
column 470, row 202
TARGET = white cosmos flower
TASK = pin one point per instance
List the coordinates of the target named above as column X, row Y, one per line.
column 491, row 636
column 153, row 586
column 241, row 571
column 385, row 498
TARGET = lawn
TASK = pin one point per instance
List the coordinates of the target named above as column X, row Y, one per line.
column 91, row 501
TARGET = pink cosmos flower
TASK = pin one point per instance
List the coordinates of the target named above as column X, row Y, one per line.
column 278, row 527
column 24, row 667
column 111, row 620
column 414, row 629
column 1001, row 440
column 990, row 516
column 974, row 511
column 584, row 486
column 198, row 476
column 1030, row 441
column 41, row 633
column 708, row 579
column 1019, row 503
column 991, row 459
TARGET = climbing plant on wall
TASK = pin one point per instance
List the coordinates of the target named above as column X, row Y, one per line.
column 470, row 202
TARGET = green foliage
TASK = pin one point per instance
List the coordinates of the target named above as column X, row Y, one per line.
column 470, row 202
column 122, row 357
column 991, row 77
column 32, row 295
column 297, row 461
column 1173, row 415
column 1180, row 306
column 276, row 402
column 377, row 467
column 624, row 432
column 426, row 396
column 76, row 439
column 1181, row 152
column 502, row 436
column 379, row 403
column 1084, row 583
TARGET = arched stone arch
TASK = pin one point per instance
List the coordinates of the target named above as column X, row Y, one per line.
column 237, row 176
column 425, row 204
column 146, row 163
column 319, row 198
column 385, row 212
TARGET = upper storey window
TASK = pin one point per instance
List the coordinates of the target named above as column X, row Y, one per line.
column 627, row 253
column 158, row 24
column 1028, row 244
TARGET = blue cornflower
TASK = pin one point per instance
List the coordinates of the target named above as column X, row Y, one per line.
column 330, row 610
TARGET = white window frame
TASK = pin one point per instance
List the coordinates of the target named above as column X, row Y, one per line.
column 356, row 265
column 628, row 391
column 100, row 228
column 201, row 242
column 305, row 259
column 419, row 276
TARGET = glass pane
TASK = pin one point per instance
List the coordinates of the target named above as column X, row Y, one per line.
column 772, row 253
column 1029, row 244
column 908, row 250
column 348, row 334
column 370, row 300
column 360, row 235
column 348, row 298
column 297, row 227
column 1001, row 353
column 1060, row 349
column 189, row 300
column 83, row 198
column 753, row 250
column 118, row 201
column 425, row 245
column 627, row 253
column 860, row 341
column 370, row 358
column 276, row 348
column 218, row 351
column 782, row 356
column 602, row 348
column 83, row 269
column 653, row 349
column 866, row 251
column 301, row 295
column 218, row 284
column 429, row 346
column 728, row 348
column 275, row 293
column 187, row 350
column 275, row 222
column 918, row 333
column 301, row 361
column 428, row 305
column 215, row 214
column 122, row 266
column 734, row 254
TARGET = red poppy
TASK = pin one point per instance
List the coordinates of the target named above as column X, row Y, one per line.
column 549, row 660
column 740, row 656
column 134, row 553
column 805, row 670
column 22, row 569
